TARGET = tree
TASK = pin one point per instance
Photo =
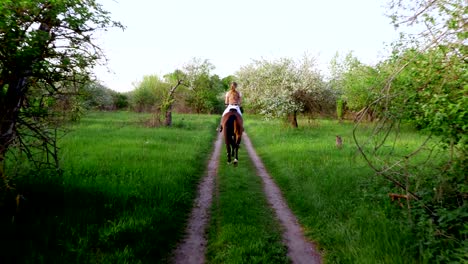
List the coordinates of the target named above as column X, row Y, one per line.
column 175, row 80
column 120, row 100
column 149, row 93
column 281, row 88
column 46, row 47
column 204, row 90
column 227, row 81
column 426, row 85
column 356, row 83
column 361, row 87
column 216, row 96
column 156, row 95
column 96, row 96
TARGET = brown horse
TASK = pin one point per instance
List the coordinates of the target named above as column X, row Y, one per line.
column 233, row 128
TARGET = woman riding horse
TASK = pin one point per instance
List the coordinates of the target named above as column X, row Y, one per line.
column 232, row 123
column 232, row 100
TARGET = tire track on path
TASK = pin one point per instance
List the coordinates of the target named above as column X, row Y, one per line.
column 300, row 250
column 192, row 249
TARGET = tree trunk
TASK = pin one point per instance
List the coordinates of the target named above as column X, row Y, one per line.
column 292, row 118
column 9, row 111
column 4, row 183
column 170, row 102
column 168, row 121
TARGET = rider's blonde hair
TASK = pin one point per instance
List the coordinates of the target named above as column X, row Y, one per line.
column 233, row 95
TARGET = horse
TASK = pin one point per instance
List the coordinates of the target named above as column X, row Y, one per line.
column 233, row 128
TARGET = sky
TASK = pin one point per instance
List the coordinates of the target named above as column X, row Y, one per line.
column 163, row 35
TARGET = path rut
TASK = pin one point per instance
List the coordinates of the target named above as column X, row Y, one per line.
column 192, row 249
column 300, row 250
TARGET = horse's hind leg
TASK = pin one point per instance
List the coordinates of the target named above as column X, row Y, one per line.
column 228, row 148
column 235, row 150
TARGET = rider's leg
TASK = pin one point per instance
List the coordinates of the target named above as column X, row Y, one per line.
column 220, row 128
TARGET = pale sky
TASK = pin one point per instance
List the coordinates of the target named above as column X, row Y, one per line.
column 162, row 36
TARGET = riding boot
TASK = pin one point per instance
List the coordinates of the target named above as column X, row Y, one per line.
column 220, row 128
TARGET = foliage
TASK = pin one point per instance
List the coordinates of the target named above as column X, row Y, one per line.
column 357, row 83
column 227, row 81
column 426, row 85
column 149, row 94
column 98, row 97
column 361, row 84
column 199, row 91
column 46, row 53
column 339, row 109
column 120, row 100
column 284, row 87
column 430, row 92
column 175, row 80
column 218, row 87
column 204, row 87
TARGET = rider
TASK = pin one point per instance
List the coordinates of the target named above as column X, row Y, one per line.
column 232, row 100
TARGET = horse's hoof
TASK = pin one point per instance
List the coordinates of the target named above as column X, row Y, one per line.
column 235, row 162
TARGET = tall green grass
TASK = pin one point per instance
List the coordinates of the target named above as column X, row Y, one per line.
column 243, row 227
column 125, row 192
column 338, row 200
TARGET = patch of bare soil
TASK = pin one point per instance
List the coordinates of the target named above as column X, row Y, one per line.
column 300, row 250
column 192, row 249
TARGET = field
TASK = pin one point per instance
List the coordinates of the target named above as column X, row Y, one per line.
column 340, row 203
column 124, row 195
column 126, row 191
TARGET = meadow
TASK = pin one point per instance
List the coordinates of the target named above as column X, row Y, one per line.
column 126, row 191
column 124, row 195
column 339, row 201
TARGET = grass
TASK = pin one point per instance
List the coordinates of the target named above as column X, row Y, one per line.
column 332, row 191
column 124, row 196
column 243, row 227
column 127, row 189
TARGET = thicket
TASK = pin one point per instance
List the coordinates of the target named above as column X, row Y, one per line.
column 423, row 84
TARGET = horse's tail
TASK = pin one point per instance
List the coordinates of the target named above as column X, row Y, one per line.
column 238, row 130
column 238, row 126
column 229, row 130
column 230, row 123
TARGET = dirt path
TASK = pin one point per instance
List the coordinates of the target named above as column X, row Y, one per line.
column 299, row 249
column 192, row 249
